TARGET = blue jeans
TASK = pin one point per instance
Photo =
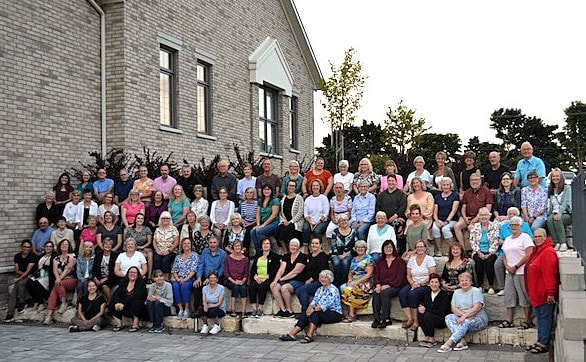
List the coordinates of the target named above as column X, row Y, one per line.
column 410, row 298
column 182, row 292
column 459, row 331
column 544, row 314
column 258, row 234
column 305, row 292
column 157, row 311
column 341, row 269
column 317, row 232
column 363, row 231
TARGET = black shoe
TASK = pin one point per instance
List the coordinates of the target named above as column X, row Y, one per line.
column 289, row 314
column 21, row 307
column 375, row 324
column 9, row 318
column 383, row 324
column 281, row 314
column 73, row 329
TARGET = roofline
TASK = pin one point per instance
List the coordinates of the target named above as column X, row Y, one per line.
column 303, row 42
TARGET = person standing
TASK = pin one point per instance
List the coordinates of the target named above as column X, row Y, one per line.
column 224, row 179
column 493, row 172
column 267, row 178
column 102, row 186
column 122, row 188
column 529, row 163
column 164, row 183
column 188, row 180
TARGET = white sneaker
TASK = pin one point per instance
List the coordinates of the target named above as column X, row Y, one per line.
column 557, row 246
column 204, row 329
column 180, row 314
column 491, row 291
column 215, row 329
column 563, row 247
column 501, row 293
column 96, row 328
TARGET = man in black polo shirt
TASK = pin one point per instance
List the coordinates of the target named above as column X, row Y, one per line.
column 494, row 171
column 24, row 264
column 188, row 180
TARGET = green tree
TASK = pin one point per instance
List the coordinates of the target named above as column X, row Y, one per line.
column 574, row 138
column 482, row 149
column 428, row 144
column 401, row 129
column 359, row 142
column 343, row 92
column 514, row 127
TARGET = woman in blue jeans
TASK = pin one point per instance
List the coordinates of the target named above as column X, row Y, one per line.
column 267, row 217
column 343, row 240
column 317, row 261
column 184, row 269
column 419, row 267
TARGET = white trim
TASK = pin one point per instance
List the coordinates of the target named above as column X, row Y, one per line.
column 270, row 155
column 6, row 269
column 267, row 64
column 205, row 56
column 169, row 40
column 170, row 129
column 206, row 136
column 292, row 150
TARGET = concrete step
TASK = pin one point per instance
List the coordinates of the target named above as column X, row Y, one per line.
column 566, row 350
column 572, row 314
column 571, row 273
column 361, row 329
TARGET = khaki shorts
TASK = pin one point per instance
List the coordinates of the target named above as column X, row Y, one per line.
column 515, row 291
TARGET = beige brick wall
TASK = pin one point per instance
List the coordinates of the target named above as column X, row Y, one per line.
column 49, row 104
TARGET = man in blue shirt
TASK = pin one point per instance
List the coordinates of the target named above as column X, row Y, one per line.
column 529, row 163
column 102, row 186
column 41, row 236
column 122, row 188
column 212, row 259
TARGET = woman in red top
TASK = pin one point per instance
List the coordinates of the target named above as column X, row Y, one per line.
column 389, row 278
column 541, row 281
column 319, row 173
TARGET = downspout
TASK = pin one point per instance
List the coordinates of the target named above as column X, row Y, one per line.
column 102, row 72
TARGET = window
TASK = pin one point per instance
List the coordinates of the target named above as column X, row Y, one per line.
column 168, row 68
column 203, row 73
column 293, row 114
column 267, row 120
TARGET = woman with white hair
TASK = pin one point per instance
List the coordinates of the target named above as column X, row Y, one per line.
column 378, row 234
column 290, row 276
column 325, row 308
column 365, row 173
column 445, row 214
column 165, row 242
column 357, row 291
column 292, row 175
column 235, row 232
column 468, row 314
column 340, row 205
column 420, row 172
column 345, row 177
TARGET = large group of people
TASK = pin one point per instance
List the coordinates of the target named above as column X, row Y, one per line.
column 148, row 248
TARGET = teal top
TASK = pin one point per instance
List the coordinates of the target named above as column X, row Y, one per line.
column 176, row 208
column 265, row 212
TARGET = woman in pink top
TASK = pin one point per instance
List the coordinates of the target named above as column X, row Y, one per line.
column 89, row 234
column 131, row 207
column 391, row 169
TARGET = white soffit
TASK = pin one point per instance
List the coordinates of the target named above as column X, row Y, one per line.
column 267, row 64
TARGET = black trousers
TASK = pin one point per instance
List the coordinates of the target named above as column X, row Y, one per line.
column 484, row 266
column 285, row 233
column 318, row 318
column 37, row 291
column 429, row 322
column 381, row 303
column 136, row 308
column 258, row 291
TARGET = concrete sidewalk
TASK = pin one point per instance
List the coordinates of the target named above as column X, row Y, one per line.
column 22, row 342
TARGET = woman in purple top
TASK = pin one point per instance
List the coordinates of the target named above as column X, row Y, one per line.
column 236, row 274
column 155, row 209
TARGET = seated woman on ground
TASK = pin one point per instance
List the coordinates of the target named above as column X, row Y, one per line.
column 91, row 310
column 262, row 272
column 357, row 291
column 433, row 310
column 289, row 277
column 184, row 269
column 457, row 264
column 213, row 303
column 236, row 278
column 468, row 315
column 64, row 272
column 103, row 273
column 85, row 265
column 128, row 300
column 39, row 285
column 325, row 308
column 159, row 301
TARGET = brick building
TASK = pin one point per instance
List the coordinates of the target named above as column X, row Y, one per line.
column 182, row 76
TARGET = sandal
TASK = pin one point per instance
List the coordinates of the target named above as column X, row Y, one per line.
column 460, row 347
column 530, row 347
column 406, row 324
column 413, row 327
column 134, row 329
column 506, row 324
column 538, row 348
column 425, row 344
column 444, row 348
column 117, row 328
column 526, row 325
column 306, row 339
column 233, row 314
column 348, row 319
column 287, row 338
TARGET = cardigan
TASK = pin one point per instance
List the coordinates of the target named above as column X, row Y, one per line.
column 440, row 306
column 565, row 204
column 140, row 293
column 274, row 261
column 493, row 237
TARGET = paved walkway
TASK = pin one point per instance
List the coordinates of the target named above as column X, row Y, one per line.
column 21, row 342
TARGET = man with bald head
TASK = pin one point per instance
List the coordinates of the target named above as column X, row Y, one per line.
column 529, row 163
column 226, row 179
column 494, row 171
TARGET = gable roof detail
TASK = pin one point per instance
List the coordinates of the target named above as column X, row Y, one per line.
column 267, row 63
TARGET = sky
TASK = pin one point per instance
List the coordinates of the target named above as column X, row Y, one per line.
column 454, row 62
